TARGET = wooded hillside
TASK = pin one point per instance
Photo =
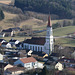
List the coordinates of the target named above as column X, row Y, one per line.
column 62, row 8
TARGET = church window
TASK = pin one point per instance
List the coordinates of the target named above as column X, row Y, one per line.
column 33, row 48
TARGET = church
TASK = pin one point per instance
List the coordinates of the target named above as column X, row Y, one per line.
column 44, row 44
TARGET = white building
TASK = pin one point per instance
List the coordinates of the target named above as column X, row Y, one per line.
column 6, row 45
column 28, row 63
column 44, row 44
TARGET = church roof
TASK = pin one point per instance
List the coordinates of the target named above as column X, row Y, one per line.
column 36, row 41
column 49, row 22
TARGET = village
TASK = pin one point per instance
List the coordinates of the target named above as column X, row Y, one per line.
column 33, row 55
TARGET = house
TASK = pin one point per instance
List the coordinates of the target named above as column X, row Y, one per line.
column 2, row 40
column 73, row 55
column 55, row 56
column 59, row 66
column 1, row 57
column 28, row 63
column 8, row 32
column 6, row 45
column 3, row 67
column 41, row 44
column 67, row 62
column 13, row 42
column 15, row 70
column 19, row 46
column 49, row 62
column 2, row 34
column 16, row 29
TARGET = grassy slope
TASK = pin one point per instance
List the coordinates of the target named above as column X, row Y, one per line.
column 6, row 23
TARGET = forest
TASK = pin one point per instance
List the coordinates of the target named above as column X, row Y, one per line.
column 62, row 8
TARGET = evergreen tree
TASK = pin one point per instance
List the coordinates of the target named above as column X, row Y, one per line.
column 1, row 15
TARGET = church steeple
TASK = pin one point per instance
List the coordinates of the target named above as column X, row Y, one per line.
column 49, row 22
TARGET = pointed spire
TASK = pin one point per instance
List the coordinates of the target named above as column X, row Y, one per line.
column 49, row 22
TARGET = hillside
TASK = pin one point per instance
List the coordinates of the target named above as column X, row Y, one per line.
column 60, row 8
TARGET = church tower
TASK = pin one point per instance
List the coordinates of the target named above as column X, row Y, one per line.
column 49, row 37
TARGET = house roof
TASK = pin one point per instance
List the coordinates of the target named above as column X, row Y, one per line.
column 13, row 69
column 17, row 45
column 12, row 40
column 38, row 53
column 16, row 28
column 1, row 40
column 67, row 60
column 36, row 41
column 28, row 60
column 7, row 30
column 4, row 43
column 55, row 54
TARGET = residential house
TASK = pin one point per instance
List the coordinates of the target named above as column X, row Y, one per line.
column 2, row 34
column 15, row 70
column 59, row 66
column 67, row 62
column 73, row 55
column 6, row 45
column 15, row 30
column 13, row 42
column 55, row 56
column 1, row 57
column 28, row 63
column 2, row 40
column 8, row 32
column 19, row 46
column 49, row 62
column 3, row 67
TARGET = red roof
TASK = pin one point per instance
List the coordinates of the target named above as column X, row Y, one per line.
column 49, row 22
column 28, row 60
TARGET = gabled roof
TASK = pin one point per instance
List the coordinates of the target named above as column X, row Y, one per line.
column 36, row 41
column 28, row 60
column 14, row 69
column 4, row 43
column 3, row 65
column 1, row 40
column 17, row 45
column 7, row 30
column 12, row 40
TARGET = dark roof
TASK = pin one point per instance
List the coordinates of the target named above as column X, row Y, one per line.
column 13, row 69
column 16, row 28
column 67, row 60
column 36, row 41
column 4, row 43
column 17, row 45
column 38, row 53
column 7, row 30
column 1, row 40
column 55, row 54
column 12, row 40
column 3, row 65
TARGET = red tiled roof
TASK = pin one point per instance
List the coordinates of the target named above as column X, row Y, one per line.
column 13, row 69
column 28, row 60
column 36, row 41
column 49, row 22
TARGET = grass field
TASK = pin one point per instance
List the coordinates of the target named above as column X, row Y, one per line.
column 6, row 23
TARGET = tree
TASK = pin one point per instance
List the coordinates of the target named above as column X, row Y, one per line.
column 1, row 15
column 74, row 22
